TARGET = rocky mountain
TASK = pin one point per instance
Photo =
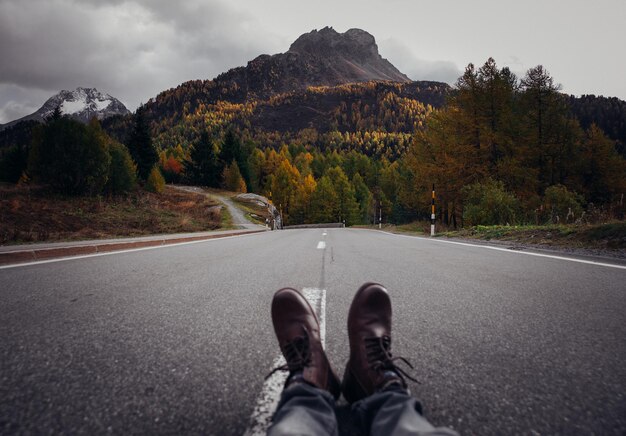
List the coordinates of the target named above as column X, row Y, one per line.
column 81, row 104
column 326, row 82
column 317, row 58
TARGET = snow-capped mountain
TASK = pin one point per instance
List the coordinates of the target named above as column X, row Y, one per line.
column 82, row 104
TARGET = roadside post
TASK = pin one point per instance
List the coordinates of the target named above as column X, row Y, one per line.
column 380, row 215
column 432, row 213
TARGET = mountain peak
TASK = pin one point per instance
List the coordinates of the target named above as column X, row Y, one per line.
column 318, row 58
column 327, row 42
column 81, row 104
column 331, row 38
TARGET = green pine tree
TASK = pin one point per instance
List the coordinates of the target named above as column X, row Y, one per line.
column 140, row 146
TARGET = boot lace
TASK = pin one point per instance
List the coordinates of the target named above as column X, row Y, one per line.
column 379, row 357
column 297, row 355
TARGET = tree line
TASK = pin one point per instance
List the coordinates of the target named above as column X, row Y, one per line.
column 501, row 150
column 77, row 159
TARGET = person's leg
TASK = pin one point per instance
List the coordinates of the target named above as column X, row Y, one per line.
column 304, row 410
column 372, row 382
column 394, row 412
column 308, row 399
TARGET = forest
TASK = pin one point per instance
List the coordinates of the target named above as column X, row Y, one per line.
column 499, row 150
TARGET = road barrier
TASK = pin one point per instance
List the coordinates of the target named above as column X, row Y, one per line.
column 315, row 226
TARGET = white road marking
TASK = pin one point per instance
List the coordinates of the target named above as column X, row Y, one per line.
column 269, row 397
column 507, row 250
column 324, row 234
column 321, row 245
column 130, row 250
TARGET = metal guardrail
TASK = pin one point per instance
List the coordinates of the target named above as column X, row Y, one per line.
column 315, row 226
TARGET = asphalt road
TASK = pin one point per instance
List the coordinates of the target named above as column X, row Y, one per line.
column 178, row 339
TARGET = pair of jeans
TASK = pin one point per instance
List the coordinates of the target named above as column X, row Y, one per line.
column 306, row 410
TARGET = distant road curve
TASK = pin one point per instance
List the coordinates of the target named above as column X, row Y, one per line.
column 238, row 218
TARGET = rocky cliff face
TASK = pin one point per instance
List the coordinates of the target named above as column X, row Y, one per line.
column 317, row 58
column 82, row 104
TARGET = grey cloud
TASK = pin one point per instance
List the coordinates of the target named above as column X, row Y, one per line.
column 15, row 101
column 418, row 69
column 130, row 49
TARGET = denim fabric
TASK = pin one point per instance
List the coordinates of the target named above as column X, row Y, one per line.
column 306, row 410
column 393, row 412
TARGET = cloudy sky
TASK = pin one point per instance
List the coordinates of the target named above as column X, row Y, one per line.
column 133, row 49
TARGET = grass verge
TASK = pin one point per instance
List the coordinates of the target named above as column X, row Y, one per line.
column 32, row 214
column 602, row 236
column 254, row 212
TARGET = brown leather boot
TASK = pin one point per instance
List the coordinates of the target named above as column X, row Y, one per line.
column 298, row 333
column 371, row 366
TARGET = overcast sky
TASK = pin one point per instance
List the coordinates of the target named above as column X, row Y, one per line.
column 133, row 49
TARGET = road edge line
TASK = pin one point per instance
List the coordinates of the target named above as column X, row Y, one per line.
column 269, row 397
column 506, row 250
column 63, row 253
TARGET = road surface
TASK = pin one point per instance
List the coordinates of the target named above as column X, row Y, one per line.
column 178, row 339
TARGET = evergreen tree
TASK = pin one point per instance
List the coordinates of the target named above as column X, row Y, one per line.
column 232, row 149
column 140, row 145
column 203, row 167
column 70, row 157
column 363, row 197
column 13, row 163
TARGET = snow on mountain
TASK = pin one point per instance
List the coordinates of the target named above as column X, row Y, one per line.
column 82, row 104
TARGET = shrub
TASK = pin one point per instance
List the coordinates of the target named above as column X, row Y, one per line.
column 488, row 203
column 155, row 182
column 561, row 204
column 123, row 171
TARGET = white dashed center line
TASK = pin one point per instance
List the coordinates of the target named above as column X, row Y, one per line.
column 270, row 394
column 321, row 245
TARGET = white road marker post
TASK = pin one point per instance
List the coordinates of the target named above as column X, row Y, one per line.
column 432, row 213
column 380, row 215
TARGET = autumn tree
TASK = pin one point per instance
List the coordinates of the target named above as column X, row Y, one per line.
column 301, row 209
column 155, row 181
column 545, row 121
column 347, row 206
column 122, row 171
column 324, row 202
column 233, row 181
column 602, row 170
column 284, row 185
